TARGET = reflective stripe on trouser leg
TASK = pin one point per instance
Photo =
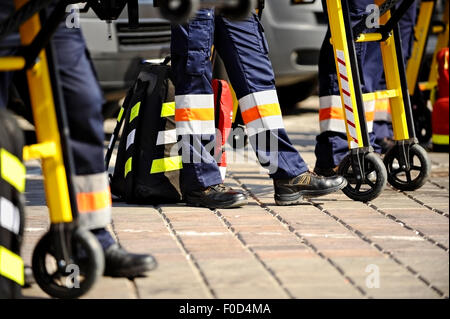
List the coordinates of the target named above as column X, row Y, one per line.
column 194, row 100
column 243, row 48
column 94, row 200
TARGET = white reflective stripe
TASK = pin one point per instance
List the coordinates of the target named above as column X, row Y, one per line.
column 223, row 171
column 333, row 125
column 343, row 71
column 194, row 101
column 353, row 145
column 330, row 101
column 91, row 183
column 350, row 116
column 130, row 138
column 111, row 141
column 167, row 137
column 340, row 54
column 383, row 116
column 265, row 124
column 9, row 216
column 196, row 127
column 258, row 98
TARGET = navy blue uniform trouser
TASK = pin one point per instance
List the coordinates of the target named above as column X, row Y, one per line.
column 243, row 48
column 83, row 100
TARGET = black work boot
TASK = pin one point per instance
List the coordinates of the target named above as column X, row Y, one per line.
column 120, row 263
column 217, row 196
column 307, row 185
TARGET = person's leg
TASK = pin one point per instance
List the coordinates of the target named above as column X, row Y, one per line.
column 83, row 100
column 201, row 180
column 243, row 48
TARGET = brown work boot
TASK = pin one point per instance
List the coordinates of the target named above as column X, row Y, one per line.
column 307, row 185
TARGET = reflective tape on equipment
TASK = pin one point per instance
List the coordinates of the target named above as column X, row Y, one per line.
column 166, row 164
column 9, row 216
column 128, row 166
column 135, row 111
column 168, row 109
column 11, row 266
column 440, row 139
column 167, row 137
column 12, row 170
column 120, row 114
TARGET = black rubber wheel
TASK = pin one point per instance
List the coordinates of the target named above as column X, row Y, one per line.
column 68, row 281
column 416, row 176
column 178, row 11
column 375, row 181
column 239, row 12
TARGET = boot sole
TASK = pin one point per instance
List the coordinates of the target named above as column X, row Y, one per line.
column 134, row 272
column 299, row 197
column 196, row 202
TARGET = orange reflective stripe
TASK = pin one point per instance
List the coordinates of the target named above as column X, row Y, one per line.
column 205, row 114
column 336, row 113
column 329, row 113
column 383, row 105
column 91, row 202
column 260, row 111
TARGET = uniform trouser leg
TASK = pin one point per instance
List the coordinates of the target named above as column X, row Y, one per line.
column 243, row 48
column 83, row 99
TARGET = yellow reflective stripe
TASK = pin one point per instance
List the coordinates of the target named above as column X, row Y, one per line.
column 12, row 170
column 168, row 109
column 135, row 111
column 11, row 266
column 167, row 164
column 128, row 166
column 120, row 114
column 440, row 139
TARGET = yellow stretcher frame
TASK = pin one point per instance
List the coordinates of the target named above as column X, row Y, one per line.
column 422, row 31
column 347, row 90
column 48, row 149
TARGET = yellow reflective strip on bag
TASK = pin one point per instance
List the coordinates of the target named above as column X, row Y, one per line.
column 440, row 139
column 12, row 170
column 128, row 166
column 135, row 111
column 11, row 266
column 168, row 109
column 120, row 114
column 167, row 164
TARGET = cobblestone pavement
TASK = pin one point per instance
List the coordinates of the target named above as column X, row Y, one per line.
column 330, row 247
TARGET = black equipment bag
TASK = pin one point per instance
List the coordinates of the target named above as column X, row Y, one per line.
column 12, row 185
column 147, row 168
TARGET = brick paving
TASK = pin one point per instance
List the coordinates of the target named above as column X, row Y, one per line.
column 326, row 248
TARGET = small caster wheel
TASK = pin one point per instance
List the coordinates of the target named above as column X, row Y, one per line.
column 240, row 11
column 418, row 173
column 374, row 182
column 178, row 11
column 68, row 280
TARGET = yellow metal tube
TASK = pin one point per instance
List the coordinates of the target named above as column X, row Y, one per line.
column 41, row 96
column 393, row 82
column 369, row 37
column 11, row 63
column 345, row 76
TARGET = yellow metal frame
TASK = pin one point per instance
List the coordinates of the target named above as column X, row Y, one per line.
column 421, row 32
column 339, row 42
column 393, row 83
column 49, row 148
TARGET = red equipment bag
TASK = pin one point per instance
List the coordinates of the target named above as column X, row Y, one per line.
column 440, row 116
column 224, row 117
